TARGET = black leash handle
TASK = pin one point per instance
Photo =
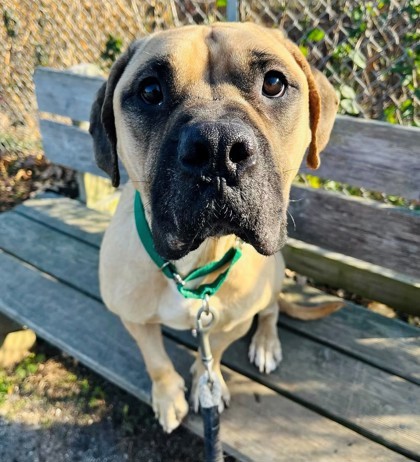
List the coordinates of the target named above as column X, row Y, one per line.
column 213, row 451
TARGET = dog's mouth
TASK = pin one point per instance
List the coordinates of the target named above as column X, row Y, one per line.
column 182, row 228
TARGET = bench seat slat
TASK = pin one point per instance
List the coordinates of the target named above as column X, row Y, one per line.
column 67, row 216
column 350, row 391
column 319, row 366
column 53, row 252
column 387, row 343
column 378, row 233
column 83, row 328
column 374, row 155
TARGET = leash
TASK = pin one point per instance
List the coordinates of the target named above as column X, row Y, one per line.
column 209, row 388
column 210, row 394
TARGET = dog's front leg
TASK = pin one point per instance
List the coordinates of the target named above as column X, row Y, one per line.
column 168, row 390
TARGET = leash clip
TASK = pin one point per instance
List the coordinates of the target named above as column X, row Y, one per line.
column 202, row 329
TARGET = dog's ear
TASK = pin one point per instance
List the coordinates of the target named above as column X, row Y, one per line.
column 323, row 105
column 102, row 121
column 329, row 107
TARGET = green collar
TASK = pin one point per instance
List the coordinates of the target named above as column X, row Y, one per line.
column 231, row 257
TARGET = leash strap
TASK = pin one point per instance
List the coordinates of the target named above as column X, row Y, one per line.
column 230, row 257
column 212, row 445
column 209, row 389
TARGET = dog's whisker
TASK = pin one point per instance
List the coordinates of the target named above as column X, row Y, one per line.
column 293, row 220
column 192, row 241
column 290, row 170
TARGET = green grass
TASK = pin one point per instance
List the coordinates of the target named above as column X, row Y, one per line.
column 27, row 367
column 6, row 385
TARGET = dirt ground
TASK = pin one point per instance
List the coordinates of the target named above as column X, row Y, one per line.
column 55, row 410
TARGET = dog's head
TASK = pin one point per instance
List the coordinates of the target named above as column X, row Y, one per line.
column 212, row 123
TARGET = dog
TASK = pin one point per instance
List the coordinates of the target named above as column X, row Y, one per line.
column 211, row 124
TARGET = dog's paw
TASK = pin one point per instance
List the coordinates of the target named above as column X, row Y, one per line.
column 169, row 403
column 197, row 370
column 265, row 349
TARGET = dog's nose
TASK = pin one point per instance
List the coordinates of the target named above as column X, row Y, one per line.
column 217, row 149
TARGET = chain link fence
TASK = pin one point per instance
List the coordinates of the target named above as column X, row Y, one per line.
column 61, row 34
column 369, row 50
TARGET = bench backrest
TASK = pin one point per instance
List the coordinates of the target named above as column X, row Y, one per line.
column 361, row 245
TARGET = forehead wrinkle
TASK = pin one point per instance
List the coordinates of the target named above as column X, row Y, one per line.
column 246, row 43
column 223, row 58
column 189, row 58
column 190, row 75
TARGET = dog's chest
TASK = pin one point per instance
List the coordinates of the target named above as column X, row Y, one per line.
column 176, row 311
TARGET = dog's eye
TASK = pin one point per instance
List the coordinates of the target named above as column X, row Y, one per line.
column 274, row 85
column 151, row 91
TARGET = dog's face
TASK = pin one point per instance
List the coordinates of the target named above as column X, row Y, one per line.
column 212, row 123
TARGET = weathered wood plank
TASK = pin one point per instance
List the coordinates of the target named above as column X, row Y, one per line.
column 376, row 155
column 68, row 145
column 369, row 280
column 83, row 328
column 396, row 355
column 374, row 402
column 67, row 216
column 55, row 253
column 65, row 93
column 389, row 344
column 378, row 233
column 72, row 147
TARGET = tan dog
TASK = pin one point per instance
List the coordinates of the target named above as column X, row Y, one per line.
column 211, row 124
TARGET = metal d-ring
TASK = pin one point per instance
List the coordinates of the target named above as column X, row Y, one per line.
column 208, row 311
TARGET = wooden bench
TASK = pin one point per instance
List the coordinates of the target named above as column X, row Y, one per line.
column 348, row 388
